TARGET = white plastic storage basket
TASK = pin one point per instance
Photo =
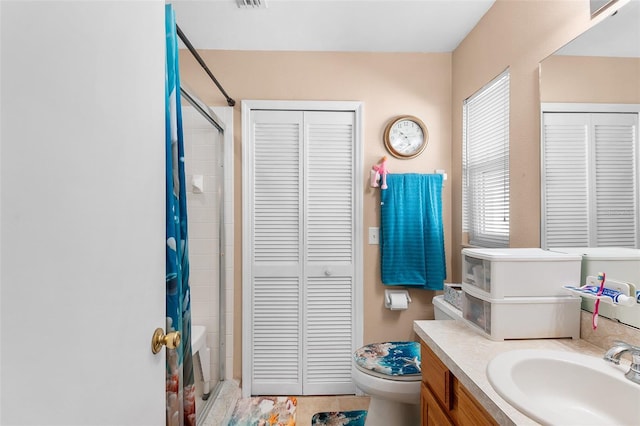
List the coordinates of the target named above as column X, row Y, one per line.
column 516, row 272
column 522, row 317
column 453, row 294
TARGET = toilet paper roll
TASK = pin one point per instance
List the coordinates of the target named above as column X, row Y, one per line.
column 398, row 301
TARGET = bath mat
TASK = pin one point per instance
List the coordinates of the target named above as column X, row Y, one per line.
column 340, row 418
column 265, row 411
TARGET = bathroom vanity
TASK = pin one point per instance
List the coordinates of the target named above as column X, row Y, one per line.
column 455, row 388
column 443, row 399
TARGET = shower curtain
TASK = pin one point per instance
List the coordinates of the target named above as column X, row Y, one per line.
column 180, row 388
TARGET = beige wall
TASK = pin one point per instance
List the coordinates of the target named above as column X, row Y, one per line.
column 389, row 85
column 590, row 79
column 514, row 33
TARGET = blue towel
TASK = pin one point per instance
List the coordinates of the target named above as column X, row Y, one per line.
column 411, row 231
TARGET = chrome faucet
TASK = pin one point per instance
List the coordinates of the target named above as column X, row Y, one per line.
column 614, row 353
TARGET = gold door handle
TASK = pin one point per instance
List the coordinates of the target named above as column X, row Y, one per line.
column 159, row 339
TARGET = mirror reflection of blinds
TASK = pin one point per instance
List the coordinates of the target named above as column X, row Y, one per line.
column 590, row 180
column 485, row 164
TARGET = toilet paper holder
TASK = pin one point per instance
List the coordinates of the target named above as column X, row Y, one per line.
column 396, row 299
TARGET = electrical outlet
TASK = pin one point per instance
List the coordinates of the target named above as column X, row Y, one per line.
column 374, row 235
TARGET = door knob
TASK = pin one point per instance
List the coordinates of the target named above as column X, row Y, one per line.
column 159, row 339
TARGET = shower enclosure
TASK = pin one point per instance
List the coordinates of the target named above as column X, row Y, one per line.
column 204, row 163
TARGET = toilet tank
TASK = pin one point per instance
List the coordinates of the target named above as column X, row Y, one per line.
column 444, row 310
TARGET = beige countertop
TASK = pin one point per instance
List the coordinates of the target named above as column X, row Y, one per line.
column 466, row 353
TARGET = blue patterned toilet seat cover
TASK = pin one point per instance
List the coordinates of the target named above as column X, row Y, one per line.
column 390, row 358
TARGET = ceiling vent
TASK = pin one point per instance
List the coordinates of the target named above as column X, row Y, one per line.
column 252, row 4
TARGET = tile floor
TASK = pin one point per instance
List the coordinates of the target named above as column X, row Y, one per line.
column 307, row 406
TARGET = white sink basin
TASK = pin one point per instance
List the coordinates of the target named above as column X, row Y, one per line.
column 565, row 388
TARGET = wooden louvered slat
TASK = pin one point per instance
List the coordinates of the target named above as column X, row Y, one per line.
column 329, row 331
column 276, row 330
column 329, row 228
column 276, row 208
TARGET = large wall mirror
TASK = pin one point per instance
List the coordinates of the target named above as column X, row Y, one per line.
column 598, row 6
column 601, row 65
column 590, row 154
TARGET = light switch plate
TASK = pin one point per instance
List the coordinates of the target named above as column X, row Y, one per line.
column 374, row 235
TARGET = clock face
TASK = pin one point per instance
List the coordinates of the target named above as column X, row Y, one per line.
column 406, row 137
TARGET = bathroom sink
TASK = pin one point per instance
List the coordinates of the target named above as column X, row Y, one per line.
column 565, row 388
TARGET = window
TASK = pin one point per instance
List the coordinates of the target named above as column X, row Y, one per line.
column 485, row 164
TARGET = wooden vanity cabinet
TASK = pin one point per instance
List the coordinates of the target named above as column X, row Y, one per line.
column 444, row 401
column 432, row 413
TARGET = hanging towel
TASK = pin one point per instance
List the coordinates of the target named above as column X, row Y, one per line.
column 411, row 231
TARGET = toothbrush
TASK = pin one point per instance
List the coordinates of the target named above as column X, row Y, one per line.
column 596, row 308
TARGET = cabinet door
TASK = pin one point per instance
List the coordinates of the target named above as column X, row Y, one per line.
column 432, row 413
column 437, row 376
column 468, row 412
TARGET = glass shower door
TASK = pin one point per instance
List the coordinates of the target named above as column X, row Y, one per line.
column 205, row 199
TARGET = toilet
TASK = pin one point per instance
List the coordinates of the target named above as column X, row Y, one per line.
column 390, row 373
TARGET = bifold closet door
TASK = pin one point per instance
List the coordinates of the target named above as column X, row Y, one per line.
column 329, row 267
column 276, row 252
column 302, row 252
column 590, row 180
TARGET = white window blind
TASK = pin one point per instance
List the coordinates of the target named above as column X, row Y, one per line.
column 590, row 180
column 485, row 164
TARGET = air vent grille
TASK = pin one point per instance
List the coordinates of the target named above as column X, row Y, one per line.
column 252, row 4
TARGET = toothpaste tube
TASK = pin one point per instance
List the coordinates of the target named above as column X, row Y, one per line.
column 615, row 295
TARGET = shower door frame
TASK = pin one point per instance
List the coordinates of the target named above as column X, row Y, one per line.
column 225, row 257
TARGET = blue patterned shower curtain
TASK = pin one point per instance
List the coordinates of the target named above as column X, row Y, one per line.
column 181, row 409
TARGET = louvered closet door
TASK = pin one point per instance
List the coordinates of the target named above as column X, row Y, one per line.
column 590, row 180
column 302, row 250
column 330, row 253
column 565, row 189
column 277, row 256
column 616, row 206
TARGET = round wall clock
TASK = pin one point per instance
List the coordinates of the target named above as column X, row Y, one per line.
column 406, row 137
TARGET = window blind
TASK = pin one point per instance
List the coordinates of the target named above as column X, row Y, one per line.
column 485, row 164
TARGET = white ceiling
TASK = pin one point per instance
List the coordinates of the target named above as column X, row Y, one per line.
column 618, row 35
column 330, row 25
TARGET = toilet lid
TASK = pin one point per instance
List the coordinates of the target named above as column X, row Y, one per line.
column 393, row 360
